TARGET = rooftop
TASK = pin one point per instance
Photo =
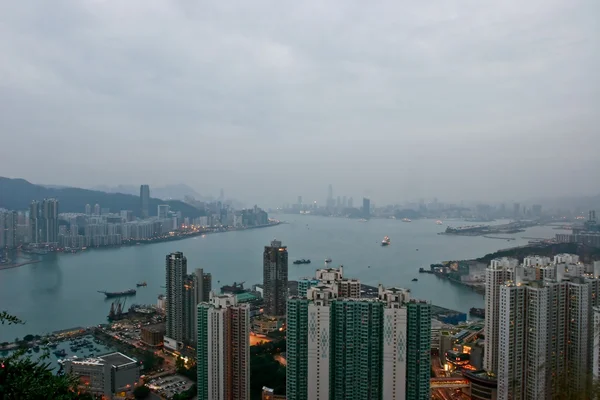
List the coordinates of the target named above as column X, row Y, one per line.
column 117, row 359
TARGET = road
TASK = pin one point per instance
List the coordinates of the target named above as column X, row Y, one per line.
column 438, row 372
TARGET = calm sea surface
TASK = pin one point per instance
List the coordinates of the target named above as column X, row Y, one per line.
column 62, row 291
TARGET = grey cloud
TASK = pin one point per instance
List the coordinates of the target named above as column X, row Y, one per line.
column 397, row 99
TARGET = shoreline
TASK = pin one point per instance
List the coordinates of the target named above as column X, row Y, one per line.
column 139, row 243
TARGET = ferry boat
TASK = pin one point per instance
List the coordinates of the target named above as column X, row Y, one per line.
column 386, row 241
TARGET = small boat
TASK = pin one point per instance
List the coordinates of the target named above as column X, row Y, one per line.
column 328, row 260
column 139, row 284
column 386, row 241
column 60, row 353
column 415, row 279
column 438, row 222
column 301, row 261
column 406, row 220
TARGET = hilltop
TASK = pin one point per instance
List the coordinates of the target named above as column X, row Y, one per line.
column 17, row 194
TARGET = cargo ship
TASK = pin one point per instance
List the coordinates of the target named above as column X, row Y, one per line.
column 130, row 292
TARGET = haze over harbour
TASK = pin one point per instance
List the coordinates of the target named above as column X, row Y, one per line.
column 62, row 290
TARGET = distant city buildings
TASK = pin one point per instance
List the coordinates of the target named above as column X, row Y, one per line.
column 223, row 349
column 145, row 201
column 8, row 229
column 43, row 221
column 163, row 211
column 587, row 234
column 275, row 278
column 366, row 208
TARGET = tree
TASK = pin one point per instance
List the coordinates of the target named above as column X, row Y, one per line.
column 28, row 338
column 141, row 392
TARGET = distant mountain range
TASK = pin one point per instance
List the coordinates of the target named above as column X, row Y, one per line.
column 17, row 194
column 176, row 192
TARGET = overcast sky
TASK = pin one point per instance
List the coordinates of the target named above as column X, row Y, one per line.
column 397, row 100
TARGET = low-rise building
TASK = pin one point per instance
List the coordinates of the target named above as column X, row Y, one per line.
column 110, row 375
column 153, row 335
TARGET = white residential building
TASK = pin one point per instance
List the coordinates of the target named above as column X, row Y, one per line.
column 223, row 349
column 499, row 271
column 544, row 331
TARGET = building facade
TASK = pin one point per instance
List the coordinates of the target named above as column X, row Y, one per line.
column 196, row 289
column 145, row 201
column 546, row 344
column 223, row 351
column 352, row 348
column 8, row 229
column 105, row 375
column 499, row 271
column 275, row 278
column 176, row 273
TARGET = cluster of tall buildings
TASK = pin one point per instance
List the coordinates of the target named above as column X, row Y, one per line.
column 8, row 229
column 99, row 227
column 340, row 345
column 43, row 221
column 540, row 326
column 339, row 203
column 184, row 293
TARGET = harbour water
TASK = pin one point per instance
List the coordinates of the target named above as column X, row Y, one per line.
column 61, row 291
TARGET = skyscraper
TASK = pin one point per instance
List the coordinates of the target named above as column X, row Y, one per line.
column 8, row 229
column 97, row 210
column 546, row 340
column 49, row 228
column 418, row 351
column 163, row 211
column 176, row 272
column 34, row 222
column 223, row 351
column 275, row 278
column 358, row 348
column 499, row 271
column 88, row 209
column 196, row 289
column 145, row 200
column 366, row 209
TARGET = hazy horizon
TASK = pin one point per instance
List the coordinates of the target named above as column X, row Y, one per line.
column 268, row 100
